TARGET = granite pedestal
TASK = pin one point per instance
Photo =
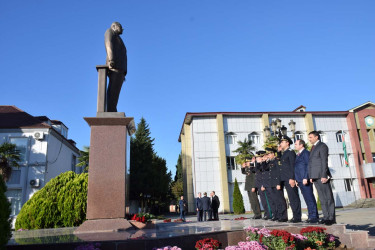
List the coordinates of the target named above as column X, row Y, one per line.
column 106, row 206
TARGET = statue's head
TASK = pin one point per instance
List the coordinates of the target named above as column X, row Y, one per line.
column 117, row 28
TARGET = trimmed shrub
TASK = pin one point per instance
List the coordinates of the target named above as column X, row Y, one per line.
column 61, row 202
column 238, row 207
column 5, row 227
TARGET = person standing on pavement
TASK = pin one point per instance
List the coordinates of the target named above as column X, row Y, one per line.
column 249, row 183
column 206, row 204
column 301, row 168
column 182, row 204
column 320, row 175
column 215, row 204
column 287, row 177
column 199, row 205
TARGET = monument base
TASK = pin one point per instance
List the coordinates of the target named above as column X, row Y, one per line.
column 103, row 226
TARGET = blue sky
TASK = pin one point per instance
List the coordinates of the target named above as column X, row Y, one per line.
column 187, row 56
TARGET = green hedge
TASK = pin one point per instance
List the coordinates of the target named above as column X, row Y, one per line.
column 238, row 207
column 5, row 227
column 61, row 202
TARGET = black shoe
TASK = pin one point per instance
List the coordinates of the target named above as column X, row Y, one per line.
column 274, row 219
column 257, row 217
column 296, row 220
column 313, row 221
column 282, row 220
column 265, row 218
column 329, row 222
column 321, row 221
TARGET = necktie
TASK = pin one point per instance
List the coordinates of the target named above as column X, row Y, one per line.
column 312, row 147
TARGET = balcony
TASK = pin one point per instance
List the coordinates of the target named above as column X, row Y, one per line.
column 369, row 170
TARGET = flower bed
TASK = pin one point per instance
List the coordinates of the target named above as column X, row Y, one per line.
column 207, row 243
column 167, row 248
column 178, row 220
column 309, row 238
column 167, row 220
column 240, row 218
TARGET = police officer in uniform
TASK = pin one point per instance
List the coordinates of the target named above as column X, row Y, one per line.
column 268, row 183
column 287, row 177
column 249, row 183
column 277, row 194
column 258, row 170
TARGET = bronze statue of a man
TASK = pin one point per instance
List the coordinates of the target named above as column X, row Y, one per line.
column 117, row 62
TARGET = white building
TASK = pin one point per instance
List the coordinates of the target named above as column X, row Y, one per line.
column 209, row 139
column 45, row 151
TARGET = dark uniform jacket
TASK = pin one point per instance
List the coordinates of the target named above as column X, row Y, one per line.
column 274, row 172
column 301, row 170
column 287, row 160
column 258, row 174
column 250, row 178
column 265, row 174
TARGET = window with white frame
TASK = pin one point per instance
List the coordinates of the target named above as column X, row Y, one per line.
column 323, row 137
column 231, row 138
column 231, row 163
column 298, row 136
column 342, row 160
column 348, row 185
column 339, row 137
column 74, row 162
column 15, row 177
column 332, row 184
column 254, row 137
column 22, row 146
column 15, row 198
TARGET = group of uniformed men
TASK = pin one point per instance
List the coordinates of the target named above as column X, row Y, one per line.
column 274, row 169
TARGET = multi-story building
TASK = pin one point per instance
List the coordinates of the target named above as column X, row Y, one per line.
column 45, row 152
column 209, row 139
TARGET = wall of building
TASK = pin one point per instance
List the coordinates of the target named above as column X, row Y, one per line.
column 205, row 156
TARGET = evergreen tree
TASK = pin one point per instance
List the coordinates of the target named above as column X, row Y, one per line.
column 178, row 175
column 149, row 176
column 5, row 232
column 84, row 158
column 238, row 207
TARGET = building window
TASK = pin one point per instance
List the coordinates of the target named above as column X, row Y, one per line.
column 348, row 185
column 373, row 157
column 231, row 138
column 332, row 184
column 231, row 163
column 254, row 137
column 342, row 160
column 15, row 177
column 323, row 137
column 299, row 136
column 15, row 199
column 339, row 137
column 74, row 163
column 21, row 144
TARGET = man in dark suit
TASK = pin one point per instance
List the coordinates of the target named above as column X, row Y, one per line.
column 249, row 183
column 199, row 205
column 117, row 63
column 215, row 204
column 206, row 205
column 301, row 168
column 320, row 175
column 287, row 177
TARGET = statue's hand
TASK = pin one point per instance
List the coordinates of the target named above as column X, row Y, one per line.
column 111, row 64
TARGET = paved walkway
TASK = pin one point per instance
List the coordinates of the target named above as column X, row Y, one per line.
column 356, row 219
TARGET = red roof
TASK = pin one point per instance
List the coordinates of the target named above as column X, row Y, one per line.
column 13, row 117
